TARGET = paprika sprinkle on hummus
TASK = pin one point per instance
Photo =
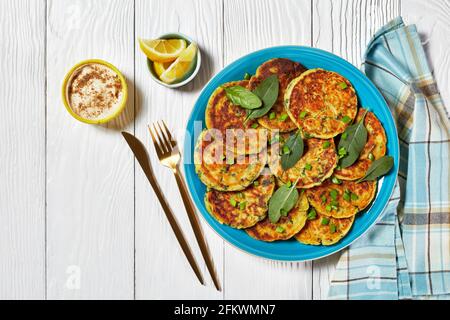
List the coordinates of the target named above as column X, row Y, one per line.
column 94, row 91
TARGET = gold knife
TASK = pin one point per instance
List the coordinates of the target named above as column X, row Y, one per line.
column 142, row 157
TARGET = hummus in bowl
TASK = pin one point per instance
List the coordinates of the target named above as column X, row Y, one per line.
column 94, row 91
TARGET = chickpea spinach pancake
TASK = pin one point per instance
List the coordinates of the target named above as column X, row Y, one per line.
column 286, row 70
column 322, row 103
column 311, row 157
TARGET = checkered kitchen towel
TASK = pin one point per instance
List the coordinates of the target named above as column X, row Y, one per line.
column 406, row 255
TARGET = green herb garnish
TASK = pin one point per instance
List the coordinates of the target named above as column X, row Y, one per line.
column 267, row 91
column 346, row 195
column 279, row 229
column 233, row 202
column 303, row 114
column 326, row 144
column 243, row 97
column 325, row 221
column 371, row 157
column 336, row 180
column 346, row 119
column 284, row 199
column 255, row 125
column 333, row 228
column 272, row 116
column 378, row 168
column 283, row 117
column 342, row 85
column 308, row 166
column 295, row 146
column 333, row 194
column 354, row 144
column 312, row 214
column 242, row 205
column 247, row 76
column 354, row 197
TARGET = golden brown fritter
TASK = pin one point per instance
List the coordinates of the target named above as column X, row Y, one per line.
column 220, row 170
column 286, row 70
column 324, row 230
column 286, row 227
column 341, row 200
column 241, row 209
column 317, row 163
column 322, row 103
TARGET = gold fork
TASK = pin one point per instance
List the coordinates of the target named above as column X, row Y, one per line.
column 169, row 156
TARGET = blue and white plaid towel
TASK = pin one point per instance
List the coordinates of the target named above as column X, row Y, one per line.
column 406, row 255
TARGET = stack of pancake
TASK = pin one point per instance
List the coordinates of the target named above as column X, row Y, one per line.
column 239, row 159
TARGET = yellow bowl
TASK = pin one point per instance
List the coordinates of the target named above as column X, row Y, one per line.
column 124, row 91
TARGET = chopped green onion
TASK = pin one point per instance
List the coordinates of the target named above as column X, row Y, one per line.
column 346, row 195
column 279, row 229
column 336, row 180
column 233, row 202
column 346, row 119
column 306, row 135
column 255, row 125
column 342, row 152
column 326, row 144
column 333, row 194
column 308, row 166
column 325, row 221
column 242, row 205
column 256, row 183
column 342, row 85
column 303, row 114
column 230, row 161
column 323, row 198
column 241, row 195
column 345, row 135
column 289, row 184
column 354, row 197
column 333, row 228
column 328, row 207
column 312, row 214
column 371, row 156
column 272, row 115
column 283, row 117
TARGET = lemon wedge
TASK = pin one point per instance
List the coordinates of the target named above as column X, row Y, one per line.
column 181, row 67
column 162, row 50
column 160, row 67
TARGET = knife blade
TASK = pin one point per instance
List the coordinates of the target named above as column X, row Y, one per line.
column 141, row 155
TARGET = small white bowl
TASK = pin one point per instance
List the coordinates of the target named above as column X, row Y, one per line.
column 154, row 76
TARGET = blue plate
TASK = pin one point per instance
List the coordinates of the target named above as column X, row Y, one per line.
column 368, row 97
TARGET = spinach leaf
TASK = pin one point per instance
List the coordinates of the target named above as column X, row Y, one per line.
column 240, row 96
column 292, row 151
column 353, row 144
column 378, row 168
column 267, row 91
column 282, row 201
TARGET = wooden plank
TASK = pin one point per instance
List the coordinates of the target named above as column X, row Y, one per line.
column 22, row 150
column 90, row 200
column 433, row 23
column 162, row 271
column 345, row 28
column 249, row 26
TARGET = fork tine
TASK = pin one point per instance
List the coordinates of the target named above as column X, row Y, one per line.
column 155, row 143
column 172, row 141
column 162, row 143
column 166, row 140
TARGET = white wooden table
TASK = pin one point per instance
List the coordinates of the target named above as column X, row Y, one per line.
column 78, row 220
